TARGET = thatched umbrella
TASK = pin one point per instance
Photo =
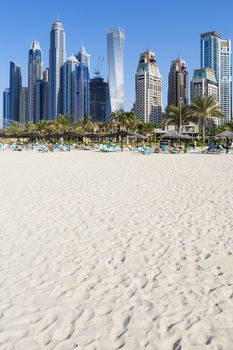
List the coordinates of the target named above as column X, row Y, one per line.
column 121, row 133
column 173, row 135
column 225, row 134
column 187, row 137
column 138, row 137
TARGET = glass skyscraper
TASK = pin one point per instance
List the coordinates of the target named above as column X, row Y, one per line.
column 15, row 89
column 6, row 106
column 69, row 70
column 216, row 54
column 115, row 48
column 82, row 87
column 35, row 73
column 57, row 57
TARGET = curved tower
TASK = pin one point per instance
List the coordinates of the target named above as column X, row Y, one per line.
column 35, row 73
column 57, row 57
column 115, row 46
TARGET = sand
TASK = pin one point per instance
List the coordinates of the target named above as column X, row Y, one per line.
column 116, row 251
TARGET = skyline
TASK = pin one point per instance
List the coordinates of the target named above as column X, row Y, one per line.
column 166, row 43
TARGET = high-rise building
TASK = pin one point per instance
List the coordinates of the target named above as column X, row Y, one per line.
column 115, row 48
column 15, row 89
column 225, row 86
column 57, row 57
column 84, row 56
column 23, row 106
column 82, row 89
column 46, row 74
column 69, row 70
column 216, row 54
column 98, row 98
column 6, row 107
column 204, row 83
column 178, row 83
column 35, row 73
column 42, row 100
column 148, row 89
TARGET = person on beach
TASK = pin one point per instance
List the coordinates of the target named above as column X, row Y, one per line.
column 122, row 148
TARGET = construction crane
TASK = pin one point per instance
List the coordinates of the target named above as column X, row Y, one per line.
column 97, row 73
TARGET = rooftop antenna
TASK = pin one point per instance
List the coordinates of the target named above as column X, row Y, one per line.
column 58, row 19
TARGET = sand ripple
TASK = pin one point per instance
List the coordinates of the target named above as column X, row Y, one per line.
column 116, row 251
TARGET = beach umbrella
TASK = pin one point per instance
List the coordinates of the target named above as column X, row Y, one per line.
column 71, row 134
column 173, row 135
column 225, row 134
column 121, row 133
column 138, row 136
column 187, row 137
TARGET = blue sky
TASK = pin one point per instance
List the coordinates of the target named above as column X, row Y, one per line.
column 167, row 27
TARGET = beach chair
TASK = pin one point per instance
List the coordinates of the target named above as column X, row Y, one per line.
column 43, row 149
column 164, row 148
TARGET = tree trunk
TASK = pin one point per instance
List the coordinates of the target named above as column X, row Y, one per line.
column 203, row 132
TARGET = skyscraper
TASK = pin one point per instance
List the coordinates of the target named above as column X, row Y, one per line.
column 115, row 48
column 6, row 107
column 98, row 98
column 35, row 72
column 15, row 89
column 225, row 86
column 57, row 57
column 69, row 70
column 178, row 83
column 83, row 55
column 204, row 83
column 216, row 54
column 148, row 89
column 23, row 105
column 82, row 88
column 42, row 100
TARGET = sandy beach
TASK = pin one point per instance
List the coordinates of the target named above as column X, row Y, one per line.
column 116, row 251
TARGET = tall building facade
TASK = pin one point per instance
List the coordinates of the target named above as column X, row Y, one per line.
column 98, row 98
column 42, row 100
column 216, row 54
column 225, row 86
column 82, row 88
column 204, row 83
column 23, row 105
column 178, row 83
column 15, row 89
column 69, row 70
column 6, row 107
column 115, row 48
column 148, row 107
column 57, row 57
column 85, row 57
column 35, row 72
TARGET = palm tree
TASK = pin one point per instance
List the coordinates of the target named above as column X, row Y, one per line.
column 63, row 123
column 15, row 128
column 176, row 115
column 29, row 127
column 86, row 124
column 229, row 125
column 122, row 120
column 204, row 108
column 42, row 127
